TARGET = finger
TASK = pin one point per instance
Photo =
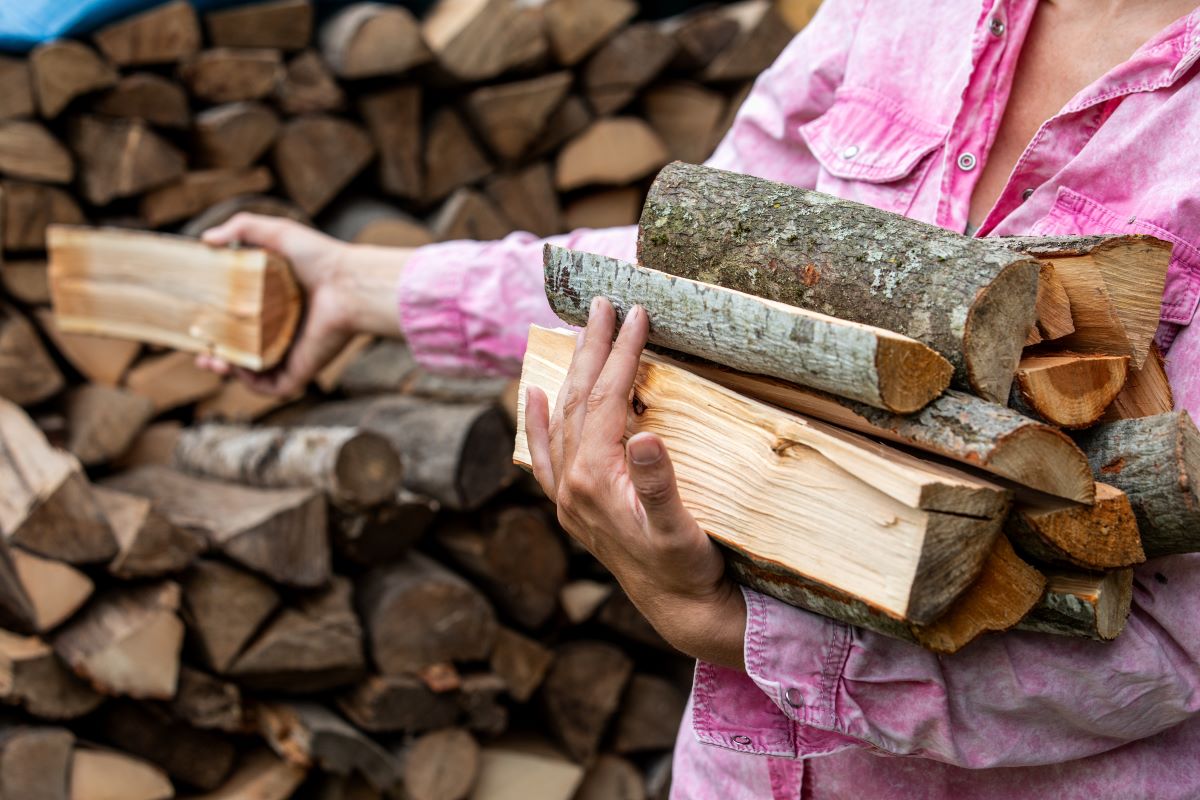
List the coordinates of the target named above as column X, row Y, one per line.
column 252, row 229
column 586, row 367
column 537, row 436
column 610, row 393
column 212, row 364
column 653, row 479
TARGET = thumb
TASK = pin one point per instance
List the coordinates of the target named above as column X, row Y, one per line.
column 653, row 479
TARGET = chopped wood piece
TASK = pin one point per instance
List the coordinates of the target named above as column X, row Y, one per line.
column 827, row 262
column 797, row 13
column 686, row 116
column 122, row 158
column 96, row 773
column 613, row 150
column 127, row 642
column 383, row 366
column 261, row 775
column 149, row 97
column 418, row 613
column 1156, row 462
column 313, row 646
column 581, row 599
column 1054, row 319
column 442, row 765
column 626, row 63
column 622, row 617
column 1070, row 391
column 478, row 40
column 479, row 699
column 699, row 36
column 240, row 304
column 277, row 532
column 467, row 214
column 762, row 35
column 233, row 136
column 63, row 70
column 35, row 763
column 1147, row 392
column 251, row 204
column 568, row 121
column 237, row 403
column 16, row 88
column 172, row 380
column 512, row 770
column 355, row 468
column 608, row 208
column 55, row 590
column 26, row 280
column 577, row 27
column 282, row 24
column 521, row 662
column 452, row 159
column 948, row 519
column 1083, row 604
column 398, row 703
column 848, row 359
column 230, row 75
column 329, row 379
column 32, row 677
column 309, row 734
column 516, row 557
column 103, row 421
column 29, row 208
column 208, row 703
column 384, row 533
column 225, row 607
column 1101, row 536
column 161, row 35
column 612, row 778
column 308, row 87
column 393, row 118
column 30, row 152
column 28, row 375
column 197, row 191
column 1115, row 286
column 582, row 693
column 509, row 116
column 100, row 359
column 527, row 199
column 155, row 445
column 198, row 758
column 317, row 155
column 365, row 220
column 650, row 715
column 150, row 546
column 366, row 40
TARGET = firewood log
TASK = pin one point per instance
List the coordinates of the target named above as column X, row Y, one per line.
column 527, row 198
column 1054, row 320
column 619, row 615
column 398, row 703
column 65, row 69
column 1070, row 391
column 581, row 599
column 686, row 116
column 36, row 680
column 30, row 152
column 1156, row 462
column 162, row 35
column 367, row 40
column 198, row 758
column 934, row 503
column 521, row 662
column 612, row 777
column 577, row 27
column 848, row 359
column 27, row 373
column 1147, row 392
column 35, row 763
column 582, row 692
column 172, row 380
column 225, row 606
column 29, row 208
column 282, row 24
column 393, row 118
column 103, row 421
column 280, row 533
column 1098, row 537
column 452, row 159
column 16, row 88
column 536, row 765
column 479, row 698
column 127, row 641
column 150, row 546
column 308, row 87
column 366, row 220
column 762, row 35
column 146, row 96
column 239, row 304
column 154, row 445
column 122, row 158
column 607, row 208
column 440, row 765
column 317, row 155
column 199, row 190
column 261, row 775
column 100, row 359
column 385, row 533
column 26, row 280
column 699, row 36
column 797, row 13
column 923, row 273
column 1083, row 604
column 237, row 403
column 569, row 120
column 207, row 703
column 233, row 136
column 56, row 590
column 231, row 75
column 612, row 151
column 250, row 204
column 509, row 116
column 624, row 65
column 468, row 214
column 309, row 734
column 96, row 772
column 481, row 40
column 649, row 716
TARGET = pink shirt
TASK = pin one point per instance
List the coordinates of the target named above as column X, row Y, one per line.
column 896, row 105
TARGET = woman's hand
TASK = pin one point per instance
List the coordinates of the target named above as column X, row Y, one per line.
column 621, row 501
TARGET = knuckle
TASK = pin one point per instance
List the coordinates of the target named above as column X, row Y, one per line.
column 571, row 400
column 597, row 396
column 656, row 492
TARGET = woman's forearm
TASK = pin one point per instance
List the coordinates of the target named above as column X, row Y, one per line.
column 365, row 283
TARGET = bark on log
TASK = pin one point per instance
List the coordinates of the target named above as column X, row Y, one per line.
column 1083, row 604
column 150, row 546
column 699, row 36
column 207, row 703
column 521, row 662
column 103, row 421
column 172, row 380
column 29, row 208
column 225, row 607
column 385, row 533
column 16, row 88
column 1070, row 391
column 971, row 300
column 452, row 158
column 1098, row 537
column 281, row 24
column 233, row 136
column 440, row 766
column 197, row 191
column 310, row 735
column 232, row 75
column 577, row 27
column 197, row 758
column 35, row 763
column 63, row 70
column 398, row 704
column 122, row 158
column 149, row 97
column 161, row 35
column 649, row 717
column 848, row 359
column 1156, row 462
column 393, row 118
column 1147, row 393
column 27, row 373
column 509, row 116
column 30, row 152
column 308, row 87
column 481, row 40
column 762, row 35
column 582, row 693
column 366, row 40
column 611, row 151
column 33, row 677
column 261, row 775
column 624, row 65
column 317, row 155
column 527, row 198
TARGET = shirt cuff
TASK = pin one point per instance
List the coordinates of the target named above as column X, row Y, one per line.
column 428, row 300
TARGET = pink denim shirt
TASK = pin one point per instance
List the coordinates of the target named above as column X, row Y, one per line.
column 896, row 105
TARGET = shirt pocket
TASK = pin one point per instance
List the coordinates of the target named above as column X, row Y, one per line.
column 871, row 149
column 1075, row 214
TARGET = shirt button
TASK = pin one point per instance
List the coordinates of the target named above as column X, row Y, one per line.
column 793, row 698
column 966, row 162
column 996, row 26
column 850, row 152
column 742, row 740
column 1028, row 193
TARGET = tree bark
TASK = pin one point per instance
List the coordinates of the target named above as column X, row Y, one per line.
column 1083, row 604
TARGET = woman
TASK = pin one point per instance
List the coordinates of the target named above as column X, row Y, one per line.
column 998, row 118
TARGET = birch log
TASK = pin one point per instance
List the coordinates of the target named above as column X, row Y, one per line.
column 1083, row 604
column 971, row 300
column 848, row 359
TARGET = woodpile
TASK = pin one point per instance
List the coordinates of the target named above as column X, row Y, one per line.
column 351, row 593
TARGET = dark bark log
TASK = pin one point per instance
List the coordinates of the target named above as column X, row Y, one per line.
column 64, row 70
column 233, row 136
column 36, row 680
column 385, row 533
column 231, row 75
column 1083, row 604
column 317, row 155
column 207, row 703
column 521, row 662
column 398, row 704
column 649, row 716
column 582, row 693
column 310, row 735
column 199, row 758
column 225, row 607
column 161, row 35
column 35, row 763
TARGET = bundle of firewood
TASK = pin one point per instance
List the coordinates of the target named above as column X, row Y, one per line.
column 914, row 431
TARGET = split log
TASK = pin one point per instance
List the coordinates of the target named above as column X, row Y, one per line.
column 622, row 617
column 568, row 121
column 30, row 152
column 172, row 380
column 233, row 136
column 17, row 612
column 155, row 445
column 608, row 208
column 310, row 735
column 279, row 533
column 480, row 40
column 308, row 87
column 581, row 599
column 612, row 778
column 699, row 36
column 452, row 159
column 971, row 300
column 26, row 280
column 1083, row 604
column 1156, row 462
column 281, row 24
column 103, row 421
column 612, row 151
column 162, row 35
column 150, row 546
column 624, row 65
column 521, row 662
column 517, row 558
column 35, row 763
column 383, row 366
column 96, row 773
column 1147, row 392
column 56, row 590
column 398, row 703
column 848, row 359
column 63, row 70
column 32, row 677
column 685, row 116
column 527, row 199
column 198, row 758
column 224, row 606
column 509, row 116
column 1098, row 537
column 148, row 97
column 29, row 208
column 577, row 27
column 313, row 646
column 762, row 35
column 440, row 766
column 367, row 40
column 479, row 698
column 199, row 190
column 100, row 359
column 16, row 88
column 365, row 220
column 240, row 304
column 393, row 118
column 1070, row 391
column 1054, row 320
column 122, row 158
column 948, row 518
column 207, row 703
column 237, row 403
column 261, row 776
column 127, row 642
column 317, row 155
column 537, row 767
column 798, row 13
column 1115, row 286
column 353, row 467
column 231, row 75
column 28, row 375
column 467, row 214
column 650, row 713
column 582, row 692
column 385, row 533
column 251, row 204
column 418, row 613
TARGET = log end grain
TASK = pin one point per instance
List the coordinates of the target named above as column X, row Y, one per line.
column 1071, row 391
column 911, row 375
column 996, row 327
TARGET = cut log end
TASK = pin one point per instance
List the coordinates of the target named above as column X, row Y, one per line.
column 1034, row 455
column 1083, row 604
column 911, row 375
column 281, row 309
column 1071, row 391
column 996, row 327
column 1100, row 536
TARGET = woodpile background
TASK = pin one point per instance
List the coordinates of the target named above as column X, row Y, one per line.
column 412, row 624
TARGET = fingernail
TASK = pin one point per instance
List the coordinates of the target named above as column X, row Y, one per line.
column 595, row 305
column 632, row 315
column 644, row 451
